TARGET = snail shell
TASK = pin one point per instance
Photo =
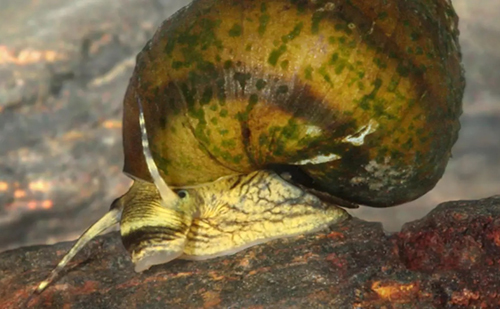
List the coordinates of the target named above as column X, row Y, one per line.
column 260, row 113
column 362, row 96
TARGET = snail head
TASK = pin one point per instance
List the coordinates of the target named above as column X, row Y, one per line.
column 155, row 219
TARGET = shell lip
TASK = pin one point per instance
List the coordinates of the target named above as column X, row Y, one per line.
column 135, row 178
column 296, row 176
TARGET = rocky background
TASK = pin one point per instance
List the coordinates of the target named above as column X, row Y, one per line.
column 64, row 67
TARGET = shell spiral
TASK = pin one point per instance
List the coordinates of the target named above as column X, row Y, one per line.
column 361, row 97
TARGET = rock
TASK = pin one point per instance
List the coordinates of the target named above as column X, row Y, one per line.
column 448, row 259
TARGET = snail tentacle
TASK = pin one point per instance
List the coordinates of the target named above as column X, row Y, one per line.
column 111, row 218
column 167, row 195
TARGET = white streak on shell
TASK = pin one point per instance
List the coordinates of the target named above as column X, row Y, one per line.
column 313, row 130
column 383, row 175
column 318, row 159
column 358, row 138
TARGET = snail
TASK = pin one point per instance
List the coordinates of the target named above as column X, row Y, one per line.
column 246, row 121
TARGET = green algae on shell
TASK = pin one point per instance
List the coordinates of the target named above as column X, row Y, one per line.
column 362, row 96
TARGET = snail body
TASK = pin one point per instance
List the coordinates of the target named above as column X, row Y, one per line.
column 220, row 218
column 250, row 120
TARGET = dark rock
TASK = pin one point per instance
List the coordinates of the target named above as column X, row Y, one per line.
column 449, row 259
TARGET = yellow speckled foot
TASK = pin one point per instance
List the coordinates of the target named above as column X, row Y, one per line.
column 218, row 218
column 246, row 210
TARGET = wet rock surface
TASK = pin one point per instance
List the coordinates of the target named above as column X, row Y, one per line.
column 449, row 259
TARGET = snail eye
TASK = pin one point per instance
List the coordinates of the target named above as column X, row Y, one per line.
column 182, row 193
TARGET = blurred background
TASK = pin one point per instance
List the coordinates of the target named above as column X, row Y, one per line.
column 64, row 68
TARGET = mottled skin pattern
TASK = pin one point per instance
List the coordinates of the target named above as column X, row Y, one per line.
column 221, row 218
column 231, row 87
